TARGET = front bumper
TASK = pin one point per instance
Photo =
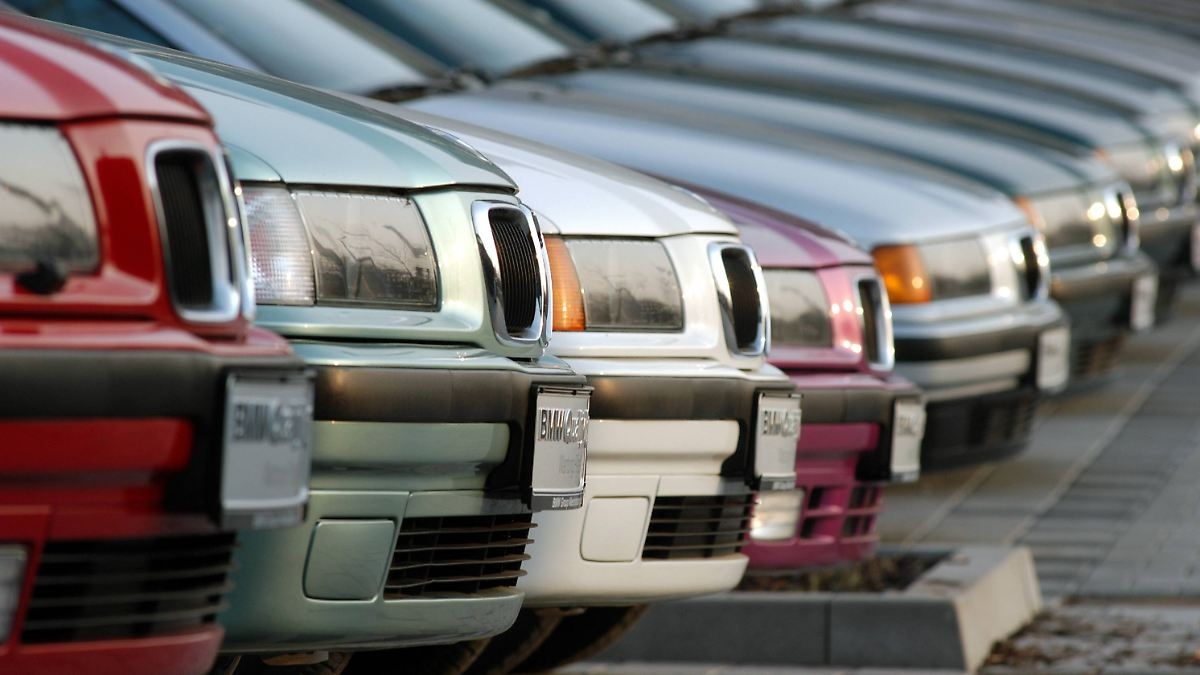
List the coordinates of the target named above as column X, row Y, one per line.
column 1098, row 298
column 840, row 463
column 414, row 448
column 662, row 450
column 981, row 378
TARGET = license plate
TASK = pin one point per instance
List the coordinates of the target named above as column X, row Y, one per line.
column 1196, row 247
column 560, row 433
column 908, row 429
column 1053, row 364
column 1142, row 301
column 267, row 452
column 776, row 436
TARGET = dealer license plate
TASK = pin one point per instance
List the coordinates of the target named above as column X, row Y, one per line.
column 777, row 433
column 560, row 433
column 908, row 429
column 1142, row 302
column 267, row 449
column 1054, row 359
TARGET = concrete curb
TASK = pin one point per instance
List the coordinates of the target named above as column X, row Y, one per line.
column 948, row 619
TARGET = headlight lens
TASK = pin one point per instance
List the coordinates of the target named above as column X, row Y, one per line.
column 370, row 249
column 614, row 285
column 941, row 270
column 1102, row 220
column 281, row 258
column 339, row 248
column 45, row 209
column 799, row 309
column 12, row 579
column 776, row 515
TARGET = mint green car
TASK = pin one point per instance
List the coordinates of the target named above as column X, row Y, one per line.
column 404, row 270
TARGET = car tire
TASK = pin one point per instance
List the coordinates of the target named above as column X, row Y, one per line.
column 581, row 636
column 451, row 659
column 336, row 664
column 509, row 649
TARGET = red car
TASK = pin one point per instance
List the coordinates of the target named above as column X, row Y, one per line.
column 862, row 426
column 142, row 417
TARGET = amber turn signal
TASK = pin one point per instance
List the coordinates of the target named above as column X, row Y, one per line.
column 564, row 283
column 903, row 274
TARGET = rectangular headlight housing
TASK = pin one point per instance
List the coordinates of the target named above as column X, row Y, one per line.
column 624, row 285
column 799, row 309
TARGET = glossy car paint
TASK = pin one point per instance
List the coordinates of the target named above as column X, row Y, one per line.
column 629, row 456
column 848, row 421
column 87, row 367
column 374, row 461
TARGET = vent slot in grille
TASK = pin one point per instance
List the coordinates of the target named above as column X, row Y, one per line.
column 520, row 277
column 740, row 287
column 188, row 248
column 205, row 266
column 458, row 555
column 1032, row 272
column 874, row 339
column 697, row 527
column 99, row 590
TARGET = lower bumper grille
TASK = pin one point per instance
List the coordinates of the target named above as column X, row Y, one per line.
column 112, row 589
column 988, row 427
column 697, row 527
column 458, row 555
column 834, row 513
column 1092, row 359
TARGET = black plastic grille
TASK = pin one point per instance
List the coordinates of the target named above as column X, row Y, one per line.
column 520, row 280
column 1092, row 358
column 185, row 224
column 102, row 589
column 458, row 555
column 745, row 308
column 871, row 297
column 697, row 527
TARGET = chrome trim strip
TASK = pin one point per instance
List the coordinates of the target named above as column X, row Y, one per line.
column 226, row 241
column 762, row 340
column 538, row 331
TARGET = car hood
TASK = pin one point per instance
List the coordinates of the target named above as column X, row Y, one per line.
column 308, row 136
column 1003, row 163
column 582, row 195
column 862, row 77
column 870, row 204
column 49, row 76
column 783, row 240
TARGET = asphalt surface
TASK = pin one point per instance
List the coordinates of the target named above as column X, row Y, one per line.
column 1106, row 497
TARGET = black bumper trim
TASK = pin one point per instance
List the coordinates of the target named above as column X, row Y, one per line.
column 689, row 398
column 445, row 396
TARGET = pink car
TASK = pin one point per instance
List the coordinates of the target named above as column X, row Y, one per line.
column 862, row 425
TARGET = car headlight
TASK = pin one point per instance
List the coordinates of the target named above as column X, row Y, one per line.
column 935, row 271
column 1104, row 220
column 799, row 309
column 45, row 208
column 776, row 515
column 338, row 248
column 613, row 285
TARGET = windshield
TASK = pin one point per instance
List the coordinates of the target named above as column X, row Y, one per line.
column 617, row 21
column 315, row 43
column 474, row 35
column 710, row 10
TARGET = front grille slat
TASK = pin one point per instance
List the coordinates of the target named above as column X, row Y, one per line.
column 520, row 278
column 697, row 527
column 457, row 555
column 871, row 298
column 93, row 590
column 189, row 254
column 744, row 300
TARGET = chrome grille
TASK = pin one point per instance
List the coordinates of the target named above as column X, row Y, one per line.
column 102, row 589
column 697, row 527
column 514, row 262
column 876, row 323
column 458, row 555
column 740, row 289
column 205, row 267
